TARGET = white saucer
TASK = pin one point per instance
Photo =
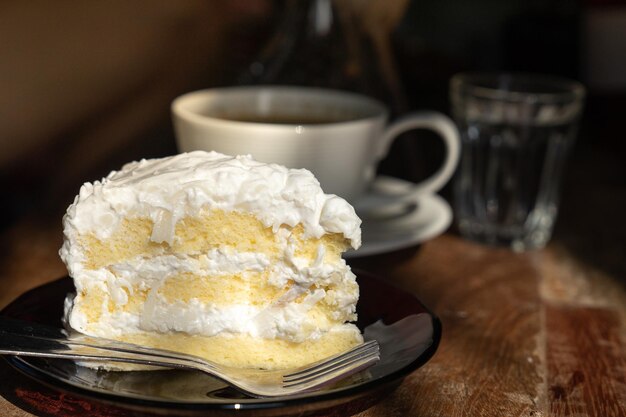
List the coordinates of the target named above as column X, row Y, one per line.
column 428, row 217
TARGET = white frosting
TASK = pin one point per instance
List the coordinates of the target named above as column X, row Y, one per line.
column 170, row 188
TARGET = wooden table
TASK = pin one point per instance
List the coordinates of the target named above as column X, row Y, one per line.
column 533, row 334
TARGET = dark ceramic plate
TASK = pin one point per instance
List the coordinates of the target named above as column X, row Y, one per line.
column 407, row 332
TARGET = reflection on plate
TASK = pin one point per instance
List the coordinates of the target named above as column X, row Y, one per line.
column 407, row 332
column 404, row 224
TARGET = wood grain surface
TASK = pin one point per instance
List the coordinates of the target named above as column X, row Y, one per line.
column 531, row 334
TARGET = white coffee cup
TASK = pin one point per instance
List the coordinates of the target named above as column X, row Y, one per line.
column 337, row 135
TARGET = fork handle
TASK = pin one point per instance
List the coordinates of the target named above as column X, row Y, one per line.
column 31, row 339
column 20, row 345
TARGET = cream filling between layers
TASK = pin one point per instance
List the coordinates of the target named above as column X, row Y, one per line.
column 287, row 318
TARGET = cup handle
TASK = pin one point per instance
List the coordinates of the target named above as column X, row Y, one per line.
column 448, row 132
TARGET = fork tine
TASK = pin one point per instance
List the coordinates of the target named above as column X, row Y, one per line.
column 330, row 367
column 339, row 372
column 363, row 349
column 332, row 375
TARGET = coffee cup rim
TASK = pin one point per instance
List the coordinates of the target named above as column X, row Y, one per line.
column 180, row 105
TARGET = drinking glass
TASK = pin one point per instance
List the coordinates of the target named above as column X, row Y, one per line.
column 516, row 132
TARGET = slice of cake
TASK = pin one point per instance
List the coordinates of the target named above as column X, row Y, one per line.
column 222, row 257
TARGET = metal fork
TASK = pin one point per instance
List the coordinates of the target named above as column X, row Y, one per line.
column 30, row 339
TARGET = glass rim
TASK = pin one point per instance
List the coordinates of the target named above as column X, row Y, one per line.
column 485, row 85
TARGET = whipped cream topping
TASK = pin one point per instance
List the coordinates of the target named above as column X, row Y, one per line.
column 170, row 188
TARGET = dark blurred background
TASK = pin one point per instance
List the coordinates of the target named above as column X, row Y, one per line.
column 86, row 86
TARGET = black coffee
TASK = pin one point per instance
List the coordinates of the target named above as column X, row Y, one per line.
column 283, row 119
